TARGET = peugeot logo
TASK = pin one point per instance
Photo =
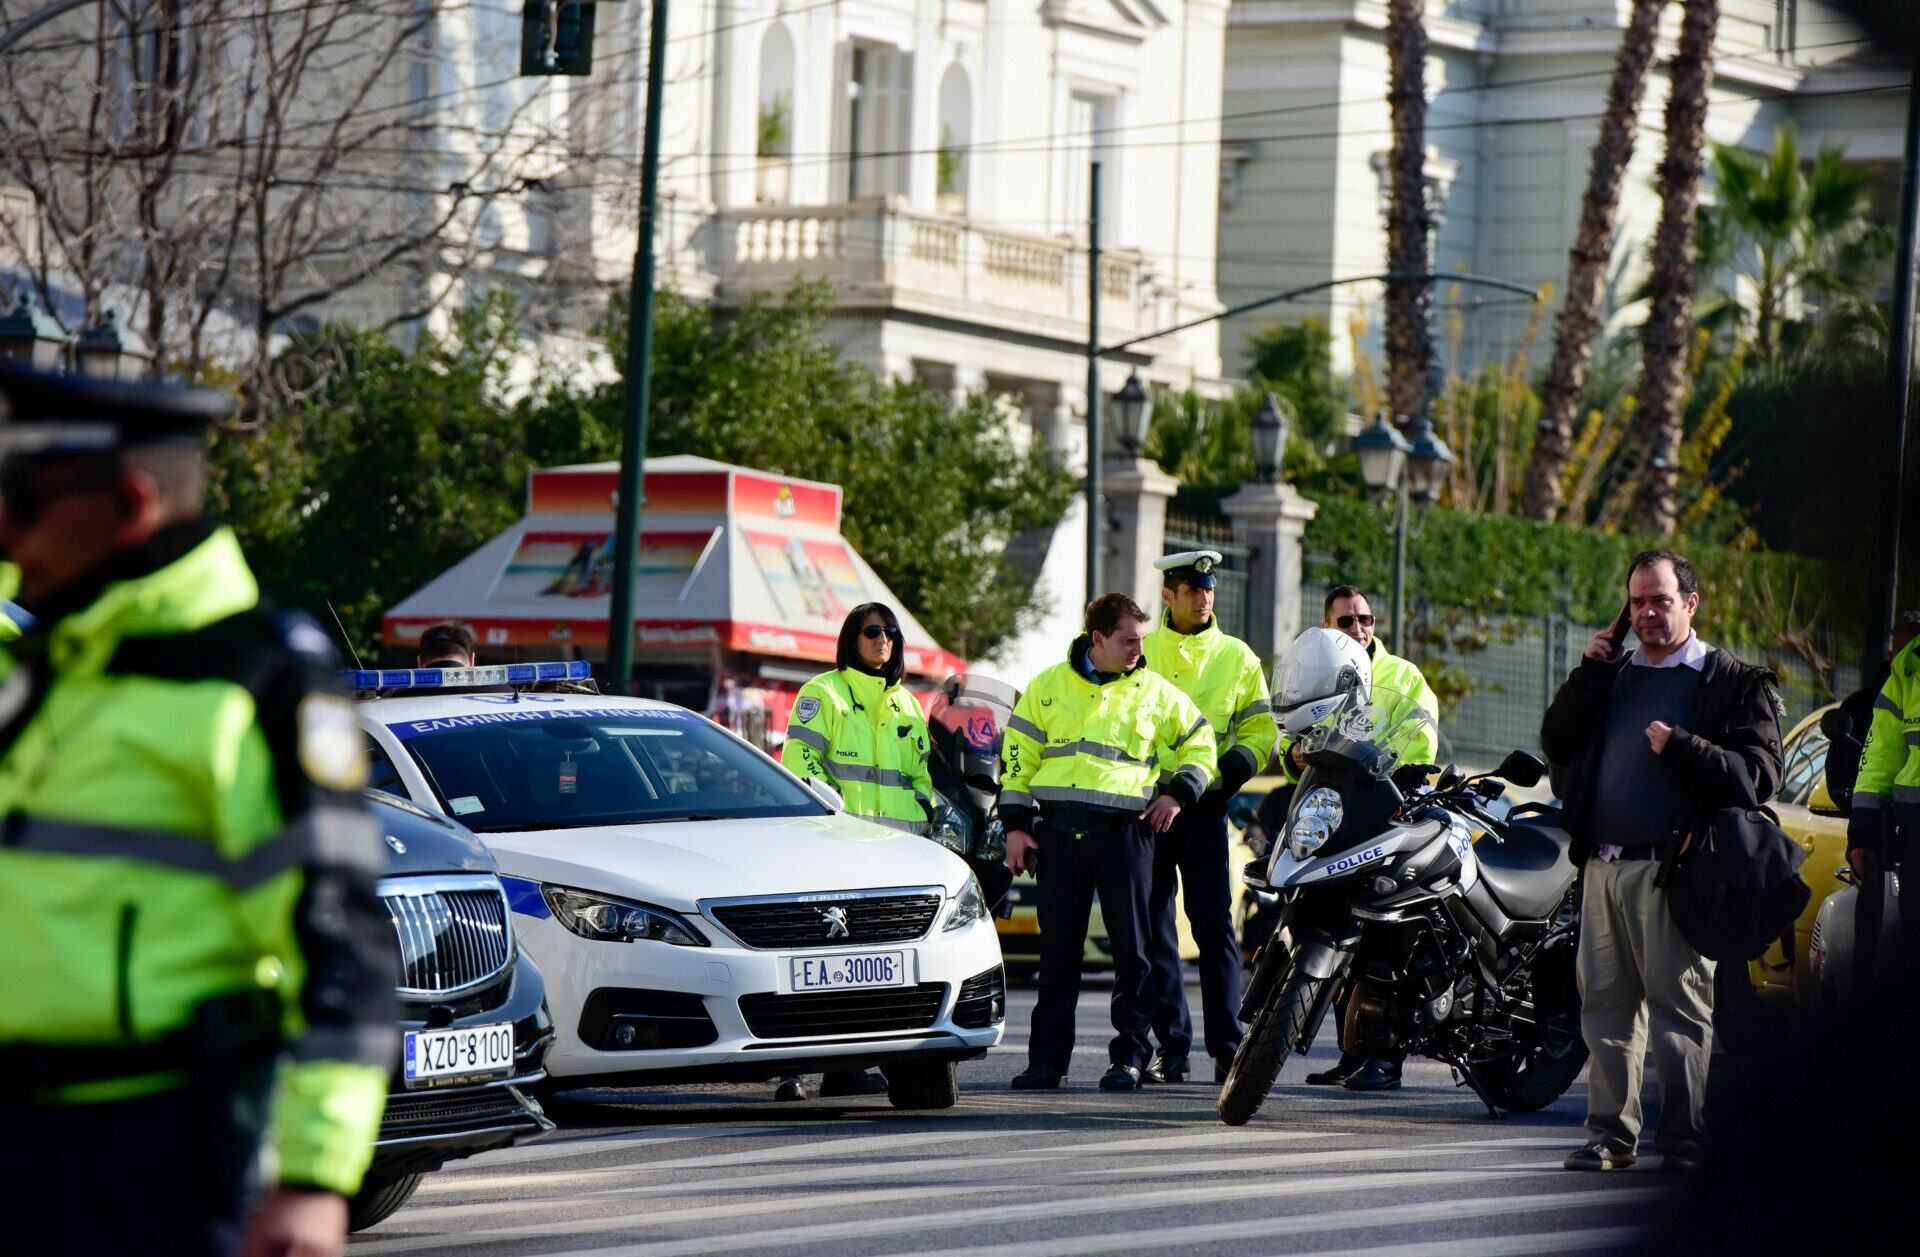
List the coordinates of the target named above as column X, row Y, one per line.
column 835, row 919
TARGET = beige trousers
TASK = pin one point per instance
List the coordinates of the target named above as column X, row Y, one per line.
column 1637, row 974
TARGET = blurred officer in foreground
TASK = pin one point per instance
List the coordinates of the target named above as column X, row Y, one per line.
column 1883, row 832
column 1222, row 676
column 1082, row 755
column 194, row 951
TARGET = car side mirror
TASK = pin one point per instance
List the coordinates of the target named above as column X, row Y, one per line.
column 1521, row 769
column 1836, row 725
column 828, row 795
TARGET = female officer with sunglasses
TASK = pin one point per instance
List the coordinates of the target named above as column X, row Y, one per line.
column 859, row 731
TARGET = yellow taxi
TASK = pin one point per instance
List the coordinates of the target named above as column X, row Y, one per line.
column 1808, row 815
column 1020, row 930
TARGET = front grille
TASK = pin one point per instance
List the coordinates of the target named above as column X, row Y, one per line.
column 983, row 1000
column 870, row 919
column 450, row 938
column 658, row 1019
column 411, row 1113
column 851, row 1012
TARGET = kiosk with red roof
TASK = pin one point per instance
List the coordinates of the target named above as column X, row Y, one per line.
column 742, row 585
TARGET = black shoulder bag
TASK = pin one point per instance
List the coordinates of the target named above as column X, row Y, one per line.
column 1737, row 887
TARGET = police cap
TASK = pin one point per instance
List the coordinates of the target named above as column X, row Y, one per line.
column 44, row 413
column 1189, row 567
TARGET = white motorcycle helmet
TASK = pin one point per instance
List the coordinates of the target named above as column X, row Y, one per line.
column 1322, row 672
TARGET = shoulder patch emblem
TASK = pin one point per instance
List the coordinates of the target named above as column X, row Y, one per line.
column 331, row 744
column 806, row 709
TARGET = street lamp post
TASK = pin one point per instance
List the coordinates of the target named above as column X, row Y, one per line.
column 1412, row 471
column 110, row 350
column 1270, row 440
column 1132, row 412
column 33, row 336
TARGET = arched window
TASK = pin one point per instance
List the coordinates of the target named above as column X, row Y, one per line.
column 956, row 135
column 773, row 134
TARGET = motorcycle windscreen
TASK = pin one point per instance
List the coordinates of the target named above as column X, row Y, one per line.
column 1390, row 730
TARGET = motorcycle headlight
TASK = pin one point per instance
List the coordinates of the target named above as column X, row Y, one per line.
column 1315, row 821
column 610, row 920
column 969, row 905
column 951, row 828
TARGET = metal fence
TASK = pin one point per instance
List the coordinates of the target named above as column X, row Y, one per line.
column 1514, row 677
column 1232, row 606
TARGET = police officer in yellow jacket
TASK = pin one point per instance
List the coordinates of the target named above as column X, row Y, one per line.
column 1883, row 833
column 1223, row 677
column 194, row 950
column 857, row 729
column 1082, row 754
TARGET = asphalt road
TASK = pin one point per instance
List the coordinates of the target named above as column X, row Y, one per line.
column 1421, row 1172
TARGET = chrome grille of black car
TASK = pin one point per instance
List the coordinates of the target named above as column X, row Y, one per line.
column 862, row 919
column 453, row 934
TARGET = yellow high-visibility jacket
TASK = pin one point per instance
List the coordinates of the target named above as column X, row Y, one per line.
column 1890, row 761
column 1223, row 677
column 869, row 739
column 1074, row 748
column 183, row 824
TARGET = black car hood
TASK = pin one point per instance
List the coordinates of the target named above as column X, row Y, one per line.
column 417, row 841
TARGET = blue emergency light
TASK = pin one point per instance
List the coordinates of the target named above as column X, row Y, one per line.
column 462, row 678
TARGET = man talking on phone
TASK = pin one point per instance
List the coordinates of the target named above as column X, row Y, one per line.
column 1652, row 741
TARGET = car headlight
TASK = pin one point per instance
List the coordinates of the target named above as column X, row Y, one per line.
column 951, row 828
column 1315, row 821
column 609, row 920
column 969, row 905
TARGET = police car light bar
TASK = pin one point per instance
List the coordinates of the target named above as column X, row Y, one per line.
column 460, row 678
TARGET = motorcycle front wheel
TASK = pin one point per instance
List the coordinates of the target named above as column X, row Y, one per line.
column 1275, row 1032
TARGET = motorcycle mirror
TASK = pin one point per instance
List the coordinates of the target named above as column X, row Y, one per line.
column 1521, row 769
column 1450, row 778
column 1836, row 725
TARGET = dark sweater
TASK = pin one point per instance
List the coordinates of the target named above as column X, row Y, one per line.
column 1635, row 795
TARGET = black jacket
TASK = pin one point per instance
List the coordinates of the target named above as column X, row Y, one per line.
column 1735, row 738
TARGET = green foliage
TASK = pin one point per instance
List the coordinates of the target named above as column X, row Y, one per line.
column 774, row 127
column 396, row 464
column 393, row 466
column 934, row 490
column 1784, row 231
column 947, row 161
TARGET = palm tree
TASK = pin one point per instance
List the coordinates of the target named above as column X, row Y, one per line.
column 1409, row 218
column 1664, row 342
column 1783, row 234
column 1541, row 497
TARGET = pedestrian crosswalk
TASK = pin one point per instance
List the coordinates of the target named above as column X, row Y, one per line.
column 1086, row 1177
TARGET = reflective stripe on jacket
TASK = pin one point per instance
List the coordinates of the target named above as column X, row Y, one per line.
column 1099, row 747
column 1890, row 761
column 1399, row 690
column 183, row 823
column 867, row 739
column 1223, row 677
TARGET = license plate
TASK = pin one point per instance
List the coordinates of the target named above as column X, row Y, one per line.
column 851, row 972
column 468, row 1052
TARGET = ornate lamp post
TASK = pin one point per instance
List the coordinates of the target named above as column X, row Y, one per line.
column 1270, row 427
column 111, row 351
column 1410, row 470
column 32, row 335
column 1132, row 409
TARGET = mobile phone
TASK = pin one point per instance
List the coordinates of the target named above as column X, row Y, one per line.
column 1618, row 633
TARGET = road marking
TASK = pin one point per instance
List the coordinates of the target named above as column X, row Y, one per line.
column 1501, row 1245
column 583, row 1179
column 1290, row 1160
column 1170, row 1238
column 857, row 1144
column 549, row 1150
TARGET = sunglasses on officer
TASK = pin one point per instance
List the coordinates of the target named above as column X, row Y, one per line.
column 874, row 632
column 1348, row 621
column 28, row 486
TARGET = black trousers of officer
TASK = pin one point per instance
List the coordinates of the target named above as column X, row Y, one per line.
column 1194, row 847
column 1899, row 851
column 127, row 1176
column 1115, row 859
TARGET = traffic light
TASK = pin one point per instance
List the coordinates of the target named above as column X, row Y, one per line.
column 556, row 37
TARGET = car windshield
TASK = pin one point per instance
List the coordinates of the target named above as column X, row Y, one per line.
column 561, row 768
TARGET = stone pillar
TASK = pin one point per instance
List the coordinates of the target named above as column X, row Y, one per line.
column 1137, row 493
column 1272, row 519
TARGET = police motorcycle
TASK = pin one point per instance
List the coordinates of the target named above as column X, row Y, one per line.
column 1455, row 928
column 966, row 724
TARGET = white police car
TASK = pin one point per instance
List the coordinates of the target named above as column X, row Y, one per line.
column 699, row 913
